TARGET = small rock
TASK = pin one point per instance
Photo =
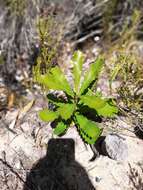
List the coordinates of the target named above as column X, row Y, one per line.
column 98, row 179
column 115, row 147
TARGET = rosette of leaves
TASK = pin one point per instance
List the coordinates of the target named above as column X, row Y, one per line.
column 77, row 104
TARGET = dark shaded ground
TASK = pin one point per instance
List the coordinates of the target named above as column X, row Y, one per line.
column 58, row 170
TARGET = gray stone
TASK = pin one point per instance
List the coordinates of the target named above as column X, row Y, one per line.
column 115, row 147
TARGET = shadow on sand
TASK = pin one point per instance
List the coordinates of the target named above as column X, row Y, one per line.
column 58, row 170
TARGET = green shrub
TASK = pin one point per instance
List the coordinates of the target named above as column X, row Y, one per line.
column 129, row 71
column 50, row 40
column 78, row 102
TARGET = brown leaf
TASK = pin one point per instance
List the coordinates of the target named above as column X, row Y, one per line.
column 26, row 108
column 11, row 99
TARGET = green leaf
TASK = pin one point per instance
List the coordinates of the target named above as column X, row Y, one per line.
column 93, row 101
column 90, row 92
column 66, row 110
column 89, row 130
column 86, row 138
column 91, row 75
column 77, row 61
column 108, row 110
column 114, row 73
column 47, row 115
column 60, row 128
column 56, row 80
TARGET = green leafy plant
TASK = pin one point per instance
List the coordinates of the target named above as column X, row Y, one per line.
column 79, row 106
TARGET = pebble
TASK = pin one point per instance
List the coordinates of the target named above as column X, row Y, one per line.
column 115, row 147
